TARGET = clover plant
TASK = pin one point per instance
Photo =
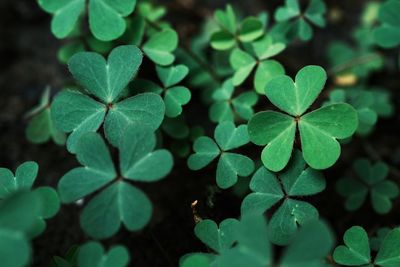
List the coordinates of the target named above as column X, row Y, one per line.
column 387, row 34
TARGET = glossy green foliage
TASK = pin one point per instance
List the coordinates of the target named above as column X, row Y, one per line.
column 258, row 58
column 318, row 129
column 18, row 215
column 40, row 127
column 387, row 34
column 106, row 18
column 160, row 47
column 230, row 165
column 295, row 183
column 371, row 179
column 23, row 180
column 356, row 249
column 174, row 95
column 92, row 254
column 370, row 105
column 297, row 22
column 227, row 107
column 230, row 31
column 117, row 200
column 103, row 81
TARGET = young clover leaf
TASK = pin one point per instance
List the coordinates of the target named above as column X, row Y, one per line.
column 371, row 180
column 318, row 129
column 356, row 251
column 92, row 254
column 230, row 165
column 296, row 181
column 160, row 46
column 298, row 21
column 40, row 127
column 225, row 106
column 18, row 215
column 387, row 34
column 23, row 180
column 175, row 96
column 117, row 201
column 81, row 112
column 106, row 18
column 229, row 33
column 266, row 69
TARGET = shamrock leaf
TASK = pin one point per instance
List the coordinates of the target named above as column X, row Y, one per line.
column 387, row 34
column 160, row 46
column 40, row 127
column 230, row 165
column 79, row 113
column 92, row 254
column 217, row 238
column 196, row 260
column 243, row 63
column 356, row 250
column 297, row 181
column 106, row 19
column 371, row 180
column 117, row 201
column 318, row 129
column 389, row 252
column 250, row 29
column 299, row 21
column 225, row 106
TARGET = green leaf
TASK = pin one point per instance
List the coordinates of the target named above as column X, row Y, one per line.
column 222, row 40
column 226, row 19
column 15, row 250
column 206, row 150
column 320, row 128
column 92, row 254
column 99, row 169
column 277, row 132
column 196, row 260
column 106, row 79
column 290, row 10
column 50, row 203
column 119, row 202
column 230, row 166
column 217, row 238
column 356, row 250
column 296, row 97
column 138, row 161
column 387, row 34
column 172, row 75
column 243, row 64
column 229, row 137
column 174, row 99
column 266, row 47
column 243, row 104
column 389, row 252
column 24, row 178
column 266, row 71
column 251, row 28
column 160, row 46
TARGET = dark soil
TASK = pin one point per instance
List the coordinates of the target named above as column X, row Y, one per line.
column 28, row 54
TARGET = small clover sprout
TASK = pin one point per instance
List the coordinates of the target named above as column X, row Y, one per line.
column 230, row 32
column 298, row 22
column 41, row 127
column 356, row 249
column 92, row 254
column 318, row 129
column 387, row 34
column 295, row 182
column 160, row 46
column 371, row 179
column 266, row 69
column 78, row 112
column 106, row 18
column 117, row 201
column 226, row 106
column 230, row 165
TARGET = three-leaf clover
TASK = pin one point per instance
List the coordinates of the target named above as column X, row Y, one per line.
column 117, row 201
column 230, row 32
column 230, row 165
column 175, row 96
column 296, row 181
column 388, row 33
column 78, row 112
column 226, row 106
column 92, row 254
column 160, row 46
column 298, row 21
column 23, row 180
column 266, row 69
column 356, row 249
column 106, row 18
column 318, row 129
column 41, row 127
column 371, row 179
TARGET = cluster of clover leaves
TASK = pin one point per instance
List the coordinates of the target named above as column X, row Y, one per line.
column 114, row 121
